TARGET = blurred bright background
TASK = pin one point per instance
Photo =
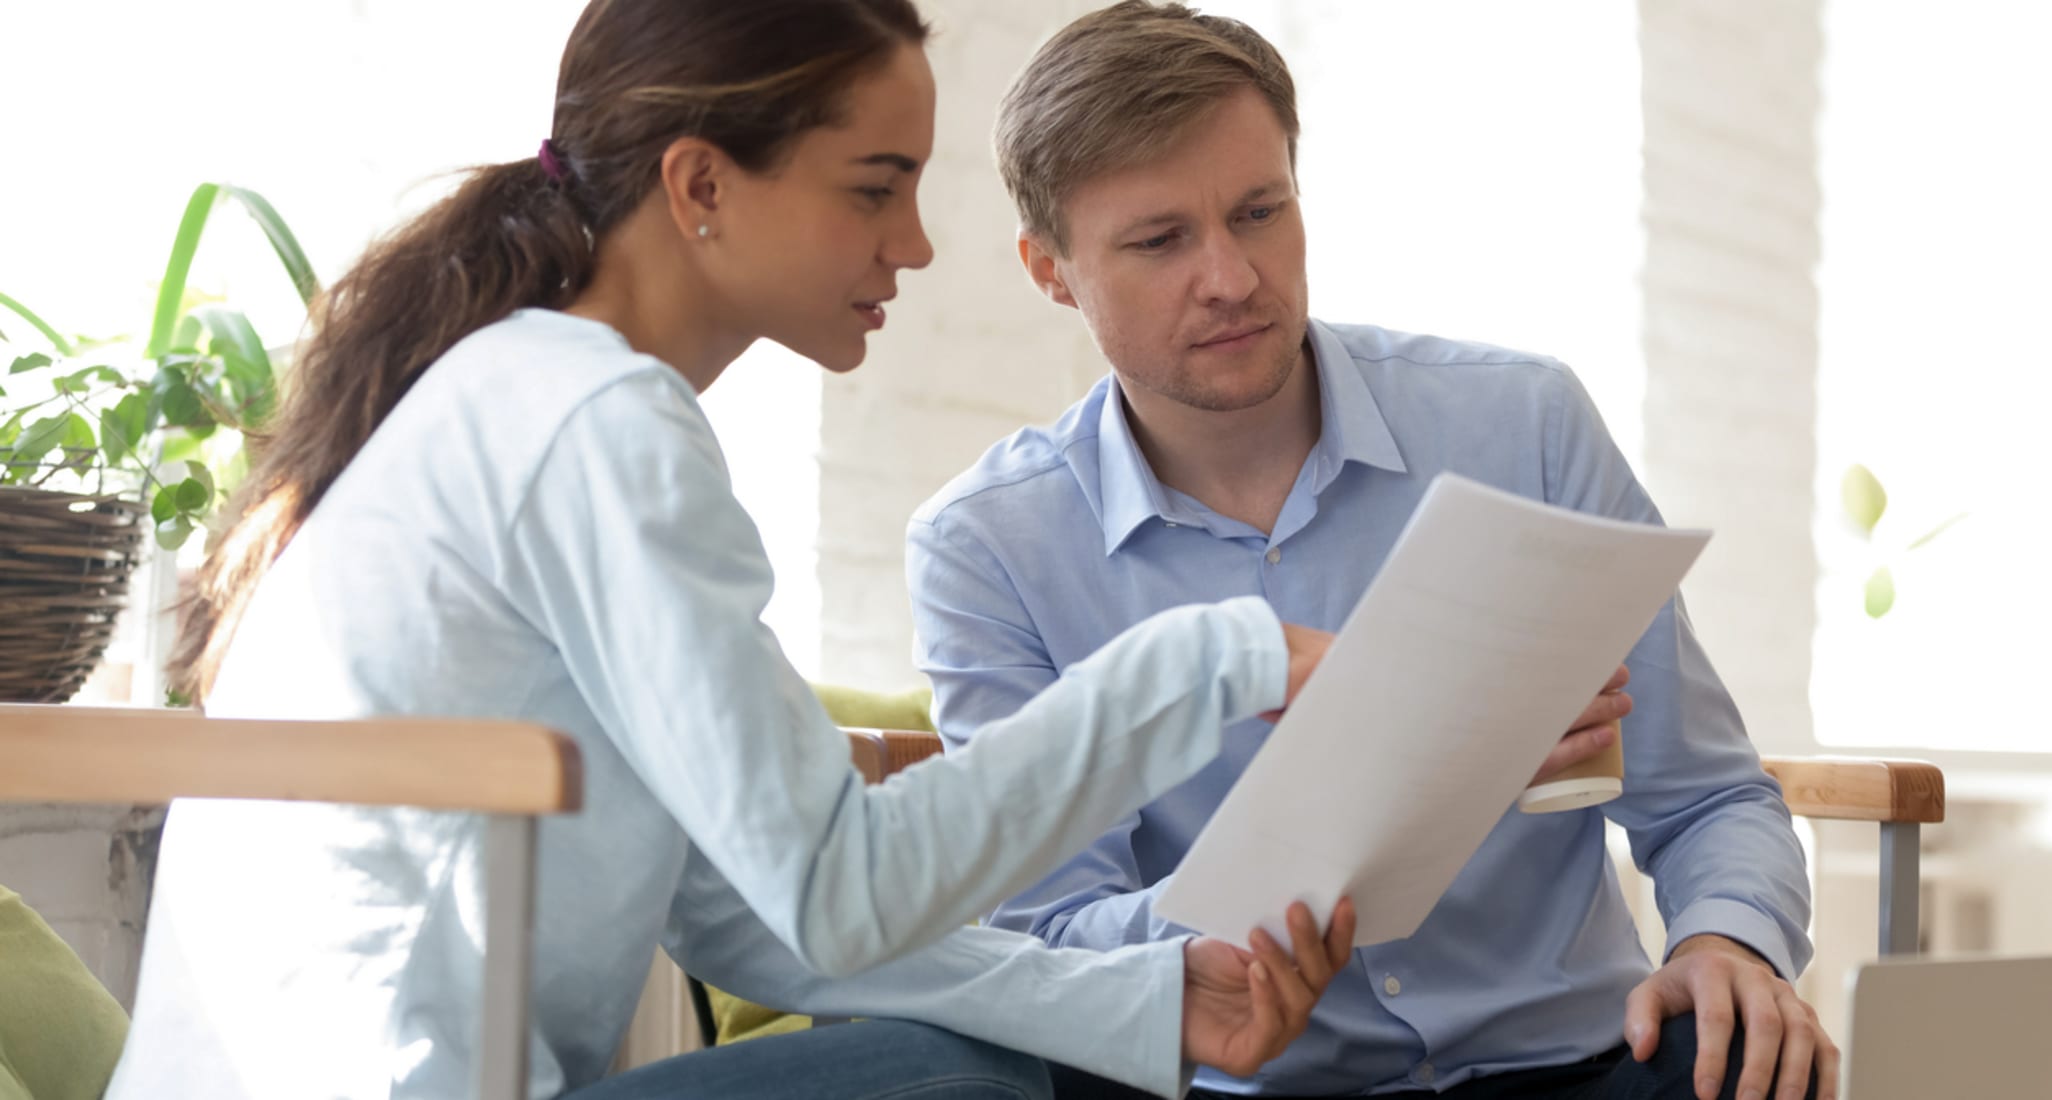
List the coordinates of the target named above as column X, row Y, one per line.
column 1475, row 168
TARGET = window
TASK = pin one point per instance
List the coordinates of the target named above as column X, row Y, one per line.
column 1934, row 372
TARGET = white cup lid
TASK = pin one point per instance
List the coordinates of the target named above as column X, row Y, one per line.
column 1569, row 794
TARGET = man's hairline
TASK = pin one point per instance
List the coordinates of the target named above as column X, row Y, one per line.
column 1058, row 237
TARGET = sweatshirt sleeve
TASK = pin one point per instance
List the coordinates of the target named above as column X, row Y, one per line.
column 630, row 552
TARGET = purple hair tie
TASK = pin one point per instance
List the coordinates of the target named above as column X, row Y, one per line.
column 550, row 166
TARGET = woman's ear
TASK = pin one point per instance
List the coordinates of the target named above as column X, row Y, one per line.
column 695, row 177
column 1044, row 269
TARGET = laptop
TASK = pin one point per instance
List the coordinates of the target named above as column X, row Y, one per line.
column 1950, row 1029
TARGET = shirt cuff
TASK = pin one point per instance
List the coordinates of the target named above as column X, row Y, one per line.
column 1267, row 685
column 1167, row 1073
column 1734, row 920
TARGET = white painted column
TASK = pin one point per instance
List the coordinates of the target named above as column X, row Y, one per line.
column 1730, row 96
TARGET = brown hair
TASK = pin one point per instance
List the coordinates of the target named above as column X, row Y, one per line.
column 636, row 75
column 1117, row 88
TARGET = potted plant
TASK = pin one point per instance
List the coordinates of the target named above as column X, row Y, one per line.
column 102, row 442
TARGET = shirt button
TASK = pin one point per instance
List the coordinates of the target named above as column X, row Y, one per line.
column 1425, row 1072
column 1391, row 986
column 1171, row 523
column 1274, row 554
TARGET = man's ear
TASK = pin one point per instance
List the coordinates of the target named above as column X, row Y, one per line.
column 695, row 177
column 1042, row 268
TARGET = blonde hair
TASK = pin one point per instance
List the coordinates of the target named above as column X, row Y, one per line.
column 1117, row 88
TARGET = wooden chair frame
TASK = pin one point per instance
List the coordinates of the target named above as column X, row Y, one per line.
column 513, row 772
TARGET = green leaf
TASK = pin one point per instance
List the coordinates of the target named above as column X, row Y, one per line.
column 220, row 408
column 245, row 367
column 1936, row 531
column 231, row 332
column 181, row 405
column 1864, row 498
column 193, row 496
column 1880, row 592
column 186, row 339
column 34, row 360
column 164, row 504
column 115, row 441
column 39, row 438
column 77, row 448
column 172, row 533
column 198, row 471
column 62, row 345
column 297, row 267
column 81, row 381
column 205, row 197
column 78, row 432
column 121, row 427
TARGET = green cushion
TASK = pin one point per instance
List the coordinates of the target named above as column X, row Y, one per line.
column 60, row 1032
column 734, row 1019
column 905, row 710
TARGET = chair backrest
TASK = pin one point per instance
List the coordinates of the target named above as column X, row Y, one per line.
column 139, row 755
column 1924, row 1028
column 512, row 771
column 880, row 754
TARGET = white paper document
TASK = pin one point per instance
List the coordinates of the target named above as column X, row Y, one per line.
column 1492, row 624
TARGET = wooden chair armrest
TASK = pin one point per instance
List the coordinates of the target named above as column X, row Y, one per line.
column 119, row 754
column 880, row 754
column 1849, row 788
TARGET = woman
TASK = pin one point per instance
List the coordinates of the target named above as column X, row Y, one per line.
column 492, row 493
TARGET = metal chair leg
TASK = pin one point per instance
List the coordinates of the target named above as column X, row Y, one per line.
column 509, row 957
column 1899, row 888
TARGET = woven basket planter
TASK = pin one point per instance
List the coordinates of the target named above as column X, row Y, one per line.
column 65, row 561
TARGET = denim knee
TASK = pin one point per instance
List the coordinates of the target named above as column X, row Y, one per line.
column 960, row 1068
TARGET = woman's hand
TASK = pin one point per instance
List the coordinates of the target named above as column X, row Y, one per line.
column 1241, row 1008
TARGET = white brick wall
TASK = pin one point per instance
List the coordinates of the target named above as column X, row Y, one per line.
column 85, row 869
column 1730, row 208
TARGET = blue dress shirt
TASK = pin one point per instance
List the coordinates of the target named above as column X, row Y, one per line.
column 1061, row 537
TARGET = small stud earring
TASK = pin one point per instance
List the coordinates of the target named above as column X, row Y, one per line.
column 704, row 231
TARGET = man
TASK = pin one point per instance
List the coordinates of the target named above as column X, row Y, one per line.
column 1239, row 448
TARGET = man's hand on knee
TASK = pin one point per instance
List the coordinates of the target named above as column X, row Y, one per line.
column 1726, row 985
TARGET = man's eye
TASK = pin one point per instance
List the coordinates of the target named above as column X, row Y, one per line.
column 1155, row 243
column 1261, row 213
column 874, row 194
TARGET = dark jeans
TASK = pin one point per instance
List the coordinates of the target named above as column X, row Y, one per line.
column 1609, row 1076
column 872, row 1060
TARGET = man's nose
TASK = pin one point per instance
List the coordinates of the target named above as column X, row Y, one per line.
column 1225, row 274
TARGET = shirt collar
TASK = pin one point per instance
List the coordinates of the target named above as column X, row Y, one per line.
column 1352, row 430
column 1127, row 485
